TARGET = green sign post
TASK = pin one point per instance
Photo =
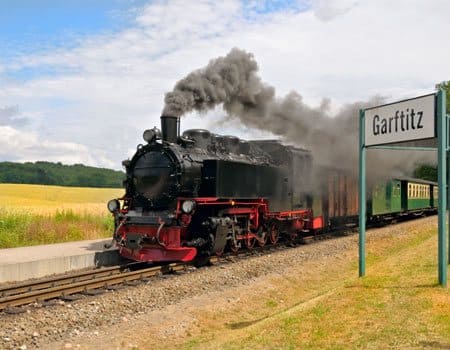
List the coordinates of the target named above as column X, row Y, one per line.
column 383, row 127
column 362, row 196
column 442, row 183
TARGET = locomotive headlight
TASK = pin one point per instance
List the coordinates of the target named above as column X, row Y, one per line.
column 151, row 135
column 113, row 205
column 188, row 206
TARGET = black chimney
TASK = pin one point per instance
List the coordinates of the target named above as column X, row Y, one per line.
column 169, row 128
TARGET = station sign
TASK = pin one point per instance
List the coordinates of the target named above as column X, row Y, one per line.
column 407, row 120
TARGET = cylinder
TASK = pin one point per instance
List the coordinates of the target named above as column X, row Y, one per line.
column 169, row 128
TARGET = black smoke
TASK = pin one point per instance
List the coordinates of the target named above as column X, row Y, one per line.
column 233, row 82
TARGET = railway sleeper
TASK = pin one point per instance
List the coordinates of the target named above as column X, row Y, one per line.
column 71, row 297
column 93, row 292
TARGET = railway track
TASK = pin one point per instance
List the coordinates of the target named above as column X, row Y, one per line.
column 87, row 282
column 93, row 281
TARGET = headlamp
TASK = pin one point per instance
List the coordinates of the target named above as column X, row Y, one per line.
column 188, row 206
column 148, row 135
column 113, row 205
column 151, row 135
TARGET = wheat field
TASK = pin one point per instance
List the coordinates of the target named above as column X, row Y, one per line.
column 40, row 214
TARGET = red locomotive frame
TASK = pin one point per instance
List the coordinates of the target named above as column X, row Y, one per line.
column 166, row 242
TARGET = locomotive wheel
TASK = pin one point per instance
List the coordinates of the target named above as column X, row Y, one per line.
column 264, row 236
column 292, row 237
column 250, row 242
column 274, row 234
column 234, row 245
column 220, row 252
column 202, row 260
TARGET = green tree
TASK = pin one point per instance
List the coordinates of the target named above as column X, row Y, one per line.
column 46, row 173
column 446, row 86
column 426, row 172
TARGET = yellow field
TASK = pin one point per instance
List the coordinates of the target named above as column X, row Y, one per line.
column 38, row 214
column 42, row 199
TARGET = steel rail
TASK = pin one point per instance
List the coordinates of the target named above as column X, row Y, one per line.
column 28, row 286
column 60, row 286
column 64, row 290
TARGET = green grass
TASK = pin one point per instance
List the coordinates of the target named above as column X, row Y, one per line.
column 20, row 228
column 398, row 305
column 271, row 303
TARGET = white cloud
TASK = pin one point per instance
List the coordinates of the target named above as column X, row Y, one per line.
column 326, row 10
column 103, row 93
column 26, row 146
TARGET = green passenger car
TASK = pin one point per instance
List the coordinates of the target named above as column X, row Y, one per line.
column 386, row 198
column 435, row 197
column 419, row 195
column 402, row 195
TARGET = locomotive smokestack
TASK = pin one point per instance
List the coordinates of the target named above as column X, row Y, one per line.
column 169, row 128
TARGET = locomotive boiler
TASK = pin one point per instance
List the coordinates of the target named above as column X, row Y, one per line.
column 193, row 195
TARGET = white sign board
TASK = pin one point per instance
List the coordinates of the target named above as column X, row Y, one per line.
column 407, row 120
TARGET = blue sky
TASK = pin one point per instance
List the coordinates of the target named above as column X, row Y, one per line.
column 30, row 26
column 81, row 80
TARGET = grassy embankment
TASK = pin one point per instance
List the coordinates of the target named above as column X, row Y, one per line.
column 38, row 214
column 398, row 304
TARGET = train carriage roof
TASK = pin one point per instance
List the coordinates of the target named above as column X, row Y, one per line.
column 416, row 181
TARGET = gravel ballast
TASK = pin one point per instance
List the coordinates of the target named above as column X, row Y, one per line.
column 69, row 323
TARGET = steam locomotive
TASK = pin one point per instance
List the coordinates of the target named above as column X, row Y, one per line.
column 193, row 195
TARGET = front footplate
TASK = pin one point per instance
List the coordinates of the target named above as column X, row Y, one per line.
column 159, row 254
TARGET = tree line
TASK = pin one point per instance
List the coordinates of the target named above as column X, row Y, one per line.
column 47, row 173
column 426, row 172
column 429, row 171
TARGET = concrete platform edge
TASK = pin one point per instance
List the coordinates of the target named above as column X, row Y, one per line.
column 56, row 265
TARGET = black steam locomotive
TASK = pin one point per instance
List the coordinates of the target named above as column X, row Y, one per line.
column 192, row 195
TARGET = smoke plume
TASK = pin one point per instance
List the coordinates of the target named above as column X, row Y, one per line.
column 233, row 81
